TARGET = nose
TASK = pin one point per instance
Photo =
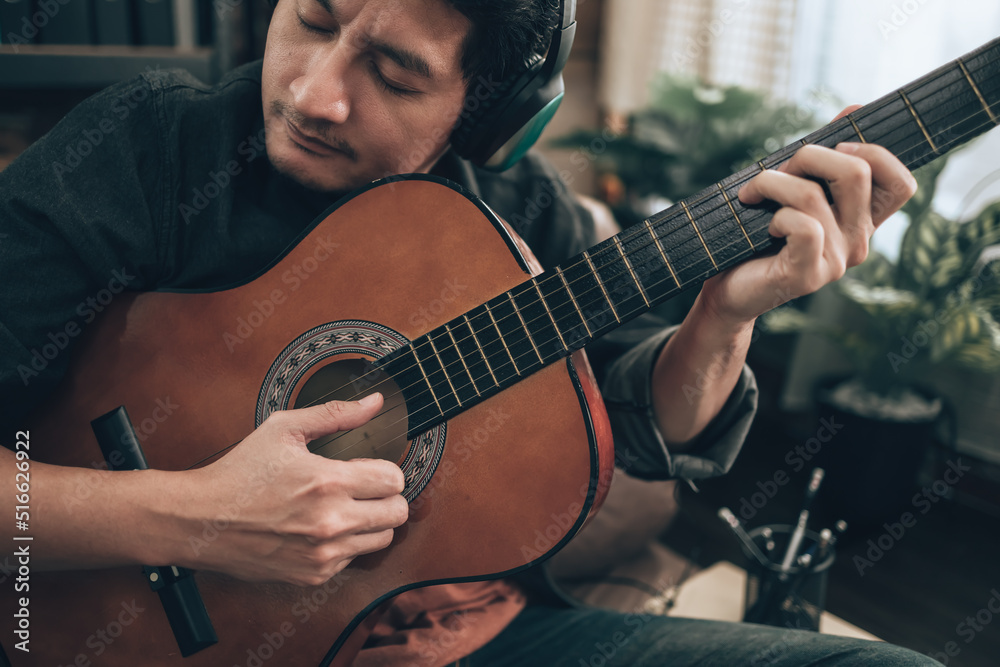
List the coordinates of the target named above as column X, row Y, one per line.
column 322, row 92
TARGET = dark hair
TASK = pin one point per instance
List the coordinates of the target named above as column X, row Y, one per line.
column 504, row 33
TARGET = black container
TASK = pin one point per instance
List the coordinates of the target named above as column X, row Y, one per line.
column 795, row 599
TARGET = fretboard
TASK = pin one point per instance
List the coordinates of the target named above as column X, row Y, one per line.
column 549, row 316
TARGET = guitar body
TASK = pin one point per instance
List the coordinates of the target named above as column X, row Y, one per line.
column 491, row 491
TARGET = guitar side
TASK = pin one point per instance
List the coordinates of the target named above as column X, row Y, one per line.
column 189, row 368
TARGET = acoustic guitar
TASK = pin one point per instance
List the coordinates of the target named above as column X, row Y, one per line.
column 491, row 409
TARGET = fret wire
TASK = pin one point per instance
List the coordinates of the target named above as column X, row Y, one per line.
column 659, row 247
column 600, row 283
column 461, row 358
column 700, row 237
column 735, row 215
column 500, row 333
column 628, row 264
column 944, row 132
column 975, row 88
column 531, row 339
column 857, row 129
column 430, row 339
column 420, row 365
column 482, row 352
column 885, row 101
column 554, row 325
column 919, row 122
column 590, row 334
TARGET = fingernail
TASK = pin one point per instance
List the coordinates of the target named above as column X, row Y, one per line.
column 369, row 400
column 848, row 147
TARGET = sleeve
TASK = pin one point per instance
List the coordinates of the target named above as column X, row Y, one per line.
column 640, row 448
column 537, row 202
column 78, row 214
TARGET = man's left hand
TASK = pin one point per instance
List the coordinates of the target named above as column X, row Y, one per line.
column 824, row 237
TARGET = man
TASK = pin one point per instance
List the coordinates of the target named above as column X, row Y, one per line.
column 351, row 91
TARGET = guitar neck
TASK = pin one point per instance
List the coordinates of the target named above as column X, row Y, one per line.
column 557, row 312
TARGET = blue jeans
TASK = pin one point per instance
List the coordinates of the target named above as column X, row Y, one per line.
column 588, row 637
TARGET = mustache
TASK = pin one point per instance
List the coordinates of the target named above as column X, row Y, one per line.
column 317, row 129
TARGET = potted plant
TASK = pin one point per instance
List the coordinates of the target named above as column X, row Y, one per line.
column 936, row 306
column 691, row 136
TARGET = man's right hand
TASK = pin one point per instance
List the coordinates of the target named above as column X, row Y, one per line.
column 269, row 510
column 272, row 511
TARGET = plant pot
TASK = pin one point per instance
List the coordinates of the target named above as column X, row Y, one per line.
column 872, row 463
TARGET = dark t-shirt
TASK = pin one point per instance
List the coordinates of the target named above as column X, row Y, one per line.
column 162, row 182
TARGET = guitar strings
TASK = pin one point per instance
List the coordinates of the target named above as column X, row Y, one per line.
column 631, row 234
column 628, row 316
column 947, row 130
column 678, row 216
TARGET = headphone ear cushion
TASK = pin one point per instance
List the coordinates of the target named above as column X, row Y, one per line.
column 480, row 122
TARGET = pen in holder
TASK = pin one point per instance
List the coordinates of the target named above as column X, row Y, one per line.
column 788, row 597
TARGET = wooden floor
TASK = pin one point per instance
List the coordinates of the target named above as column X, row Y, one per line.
column 929, row 590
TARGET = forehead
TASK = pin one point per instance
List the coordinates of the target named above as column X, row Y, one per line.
column 421, row 34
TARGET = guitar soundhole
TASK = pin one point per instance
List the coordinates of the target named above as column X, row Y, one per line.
column 384, row 437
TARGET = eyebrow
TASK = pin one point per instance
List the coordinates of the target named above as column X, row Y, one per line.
column 405, row 59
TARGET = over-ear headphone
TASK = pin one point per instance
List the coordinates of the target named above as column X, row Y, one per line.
column 497, row 131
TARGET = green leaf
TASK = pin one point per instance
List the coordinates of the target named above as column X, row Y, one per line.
column 926, row 176
column 979, row 357
column 876, row 270
column 786, row 319
column 692, row 136
column 930, row 258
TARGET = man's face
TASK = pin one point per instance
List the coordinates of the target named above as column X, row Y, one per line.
column 356, row 90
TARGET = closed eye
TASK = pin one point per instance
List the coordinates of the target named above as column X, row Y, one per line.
column 313, row 28
column 386, row 85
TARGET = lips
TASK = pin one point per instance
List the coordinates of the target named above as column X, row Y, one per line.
column 309, row 143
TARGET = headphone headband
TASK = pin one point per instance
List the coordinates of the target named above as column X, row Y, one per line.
column 502, row 128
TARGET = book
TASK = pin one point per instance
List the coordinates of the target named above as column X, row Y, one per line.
column 15, row 22
column 155, row 21
column 66, row 22
column 113, row 21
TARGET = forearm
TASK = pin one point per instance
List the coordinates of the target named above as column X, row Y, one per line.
column 269, row 510
column 85, row 518
column 696, row 372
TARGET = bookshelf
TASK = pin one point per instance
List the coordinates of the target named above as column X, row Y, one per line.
column 207, row 46
column 92, row 67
